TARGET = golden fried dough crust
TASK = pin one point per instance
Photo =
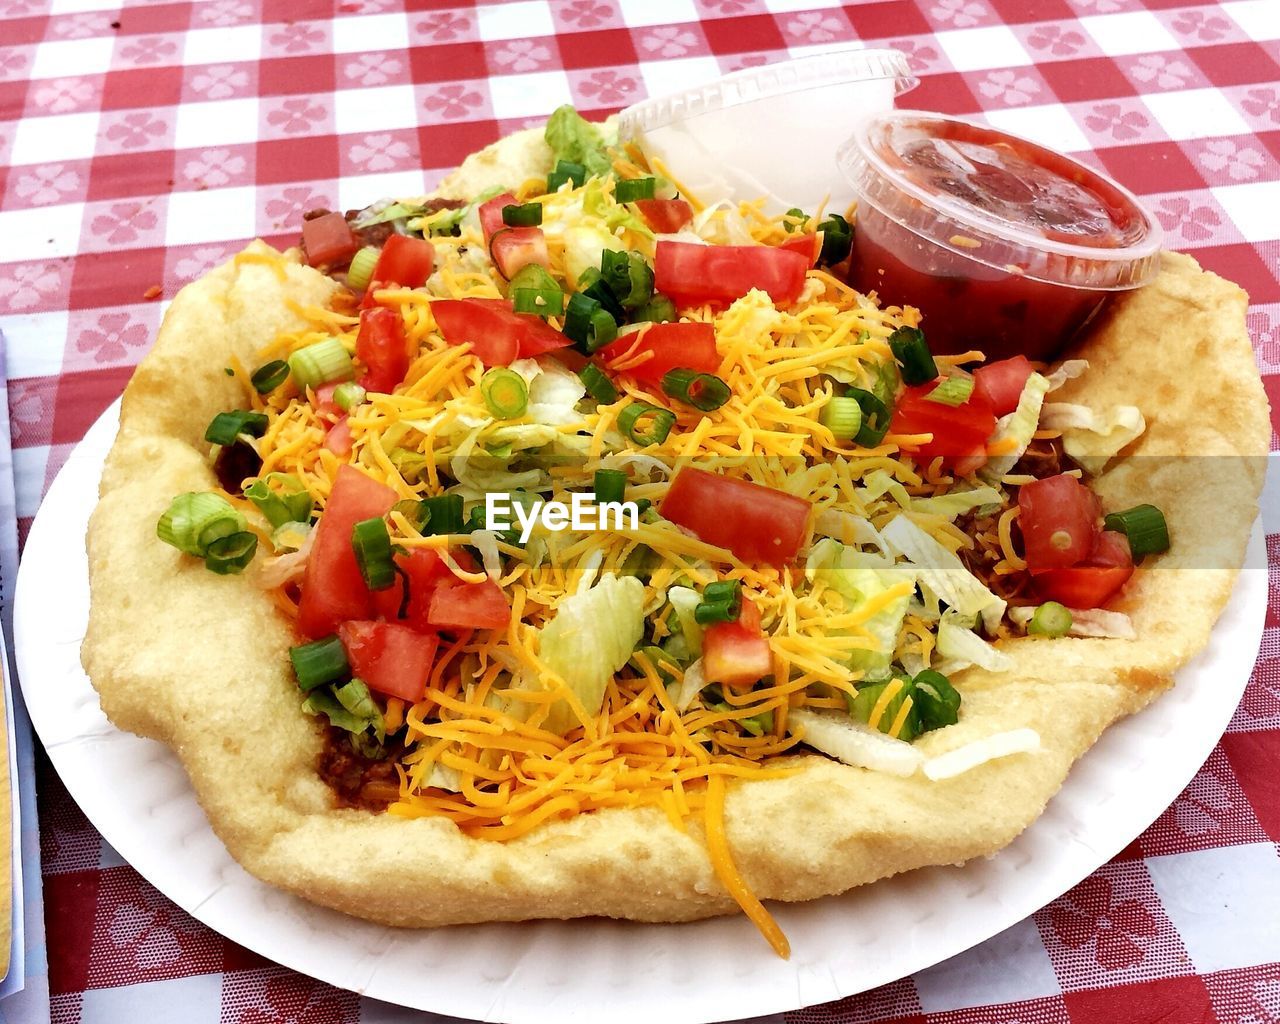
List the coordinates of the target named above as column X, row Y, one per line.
column 199, row 661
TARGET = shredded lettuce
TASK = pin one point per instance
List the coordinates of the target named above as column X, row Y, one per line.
column 1068, row 369
column 583, row 244
column 858, row 577
column 1093, row 622
column 879, row 483
column 957, row 502
column 554, row 393
column 598, row 201
column 478, row 472
column 590, row 638
column 573, row 138
column 943, row 573
column 683, row 602
column 849, row 528
column 855, row 743
column 1018, row 426
column 384, row 211
column 1092, row 439
column 350, row 707
column 958, row 643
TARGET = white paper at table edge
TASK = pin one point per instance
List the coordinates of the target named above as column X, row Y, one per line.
column 15, row 976
column 548, row 971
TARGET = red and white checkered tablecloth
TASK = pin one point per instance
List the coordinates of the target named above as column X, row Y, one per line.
column 142, row 144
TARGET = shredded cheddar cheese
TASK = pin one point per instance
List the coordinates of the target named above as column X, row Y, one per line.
column 479, row 749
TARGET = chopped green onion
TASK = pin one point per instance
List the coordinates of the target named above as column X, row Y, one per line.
column 347, row 395
column 1145, row 527
column 628, row 277
column 837, row 239
column 658, row 310
column 319, row 662
column 592, row 284
column 505, row 393
column 794, row 219
column 372, row 545
column 230, row 554
column 533, row 290
column 953, row 391
column 566, row 170
column 660, row 422
column 610, row 485
column 909, row 349
column 628, row 190
column 588, row 324
column 196, row 519
column 721, row 602
column 704, row 391
column 227, row 426
column 875, row 417
column 321, row 363
column 597, row 384
column 522, row 215
column 843, row 417
column 360, row 273
column 1051, row 619
column 864, row 704
column 269, row 376
column 288, row 502
column 936, row 701
column 443, row 514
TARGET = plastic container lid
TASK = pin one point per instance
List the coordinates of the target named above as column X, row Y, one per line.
column 770, row 131
column 1001, row 200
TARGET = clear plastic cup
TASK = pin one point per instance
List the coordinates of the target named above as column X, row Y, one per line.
column 1003, row 245
column 770, row 131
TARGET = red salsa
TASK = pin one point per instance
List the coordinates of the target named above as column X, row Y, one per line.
column 1003, row 245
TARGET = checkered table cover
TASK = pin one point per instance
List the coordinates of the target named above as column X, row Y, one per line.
column 141, row 145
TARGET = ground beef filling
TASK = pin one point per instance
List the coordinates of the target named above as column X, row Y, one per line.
column 377, row 234
column 1043, row 458
column 367, row 784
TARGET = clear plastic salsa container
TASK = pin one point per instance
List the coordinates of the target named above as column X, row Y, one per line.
column 1003, row 245
column 771, row 131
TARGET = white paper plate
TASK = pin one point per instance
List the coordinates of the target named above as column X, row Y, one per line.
column 138, row 797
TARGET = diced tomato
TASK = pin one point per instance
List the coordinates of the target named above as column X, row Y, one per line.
column 392, row 659
column 1058, row 518
column 382, row 347
column 323, row 403
column 490, row 213
column 425, row 570
column 338, row 438
column 736, row 653
column 1096, row 580
column 1001, row 383
column 808, row 245
column 497, row 335
column 328, row 240
column 514, row 248
column 758, row 524
column 691, row 274
column 958, row 431
column 665, row 216
column 333, row 590
column 458, row 605
column 689, row 345
column 404, row 261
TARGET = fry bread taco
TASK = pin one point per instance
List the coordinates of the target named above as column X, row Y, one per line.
column 856, row 606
